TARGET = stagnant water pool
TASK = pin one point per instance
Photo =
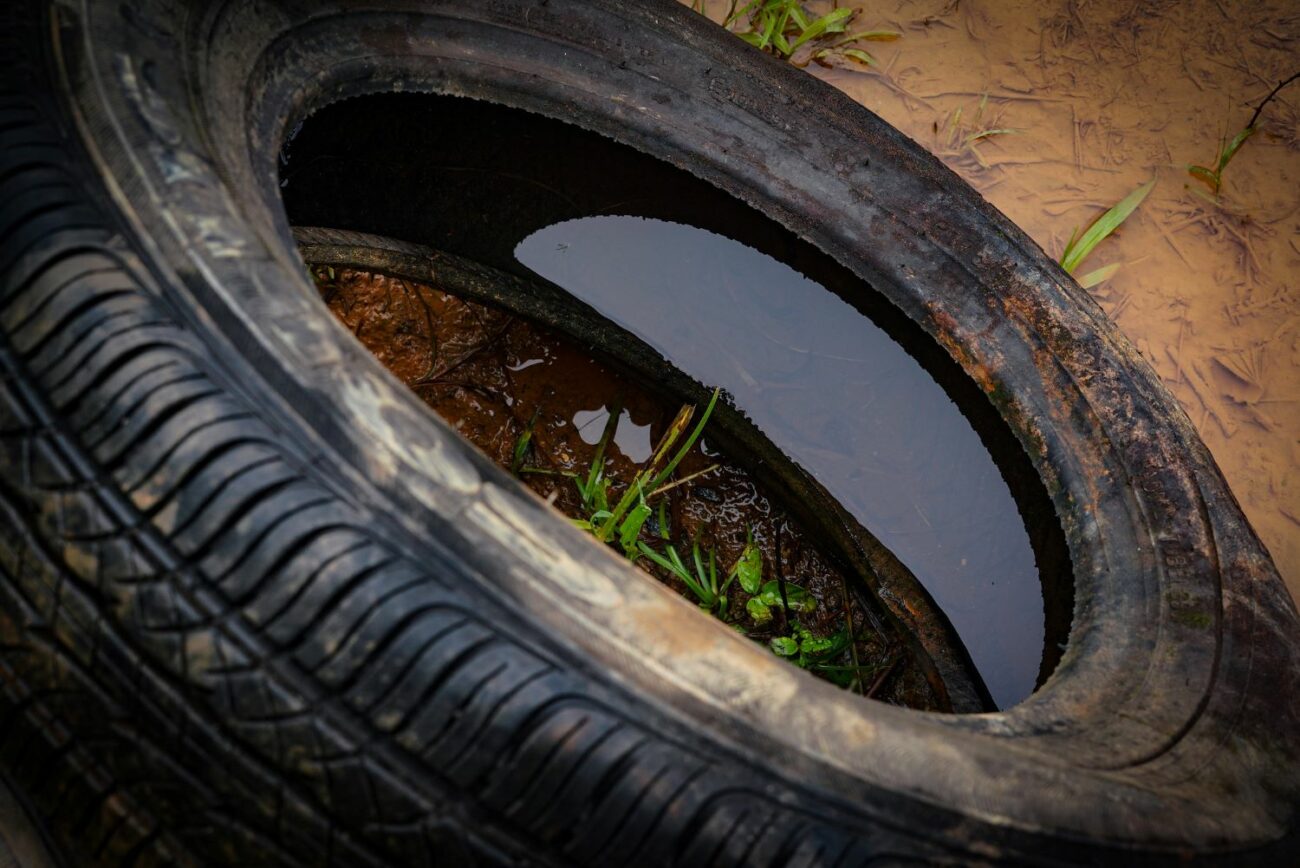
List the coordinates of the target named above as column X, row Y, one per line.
column 824, row 366
column 837, row 395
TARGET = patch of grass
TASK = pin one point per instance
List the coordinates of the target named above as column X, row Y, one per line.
column 1213, row 178
column 623, row 519
column 786, row 29
column 1080, row 245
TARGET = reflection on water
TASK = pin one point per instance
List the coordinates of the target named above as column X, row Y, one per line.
column 633, row 440
column 840, row 397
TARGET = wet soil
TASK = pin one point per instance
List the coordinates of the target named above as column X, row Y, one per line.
column 1104, row 96
column 491, row 375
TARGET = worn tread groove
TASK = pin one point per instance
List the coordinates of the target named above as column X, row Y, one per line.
column 145, row 473
column 97, row 434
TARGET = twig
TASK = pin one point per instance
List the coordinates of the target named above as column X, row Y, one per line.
column 1272, row 93
column 467, row 355
column 848, row 625
column 661, row 489
column 780, row 580
column 881, row 680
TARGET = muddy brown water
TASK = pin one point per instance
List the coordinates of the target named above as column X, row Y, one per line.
column 492, row 375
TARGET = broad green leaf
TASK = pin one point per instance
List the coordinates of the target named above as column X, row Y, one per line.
column 813, row 647
column 749, row 569
column 784, row 646
column 798, row 598
column 1104, row 226
column 759, row 611
column 630, row 529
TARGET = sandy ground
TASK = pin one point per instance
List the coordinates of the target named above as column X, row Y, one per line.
column 1104, row 96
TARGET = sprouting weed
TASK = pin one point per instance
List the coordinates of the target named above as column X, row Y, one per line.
column 958, row 137
column 1227, row 150
column 523, row 444
column 1080, row 245
column 1213, row 178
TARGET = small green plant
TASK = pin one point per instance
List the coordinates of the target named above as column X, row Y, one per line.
column 621, row 519
column 523, row 443
column 962, row 137
column 702, row 581
column 783, row 27
column 1213, row 178
column 768, row 598
column 1080, row 245
column 1227, row 150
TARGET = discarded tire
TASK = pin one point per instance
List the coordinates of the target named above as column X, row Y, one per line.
column 259, row 607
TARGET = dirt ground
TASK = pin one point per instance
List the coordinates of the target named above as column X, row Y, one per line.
column 1104, row 96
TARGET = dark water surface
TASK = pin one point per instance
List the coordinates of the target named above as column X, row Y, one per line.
column 838, row 396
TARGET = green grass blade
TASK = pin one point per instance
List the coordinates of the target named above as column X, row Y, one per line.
column 630, row 528
column 686, row 447
column 741, row 12
column 860, row 56
column 1104, row 226
column 1092, row 278
column 1201, row 173
column 835, row 22
column 988, row 134
column 1231, row 150
column 521, row 444
column 667, row 564
column 606, row 435
column 749, row 568
column 699, row 566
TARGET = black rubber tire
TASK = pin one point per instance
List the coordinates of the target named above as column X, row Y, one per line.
column 261, row 607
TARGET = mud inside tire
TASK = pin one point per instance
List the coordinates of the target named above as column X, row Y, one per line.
column 261, row 607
